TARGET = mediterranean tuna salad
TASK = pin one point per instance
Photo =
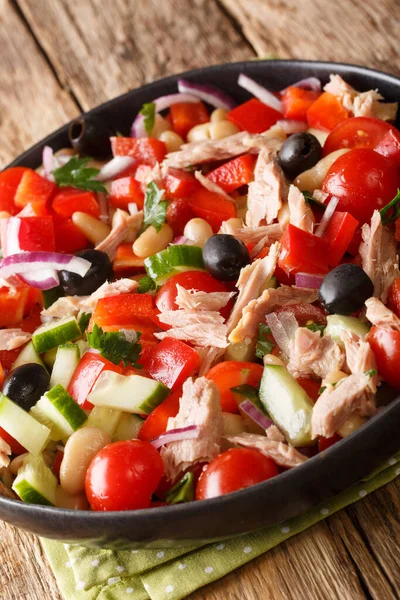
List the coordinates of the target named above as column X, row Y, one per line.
column 204, row 303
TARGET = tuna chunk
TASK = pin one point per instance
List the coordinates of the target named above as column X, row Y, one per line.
column 125, row 225
column 198, row 300
column 146, row 174
column 380, row 315
column 274, row 434
column 361, row 359
column 199, row 405
column 342, row 90
column 311, row 354
column 283, row 454
column 208, row 358
column 379, row 257
column 5, row 492
column 10, row 339
column 301, row 215
column 262, row 236
column 5, row 453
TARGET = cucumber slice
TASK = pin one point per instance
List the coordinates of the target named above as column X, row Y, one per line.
column 128, row 393
column 31, row 434
column 49, row 357
column 35, row 483
column 106, row 419
column 62, row 410
column 83, row 346
column 27, row 355
column 172, row 260
column 128, row 427
column 50, row 336
column 67, row 359
column 336, row 324
column 287, row 404
column 50, row 296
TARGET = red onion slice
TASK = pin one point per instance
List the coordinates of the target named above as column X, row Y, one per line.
column 330, row 209
column 114, row 167
column 133, row 208
column 176, row 435
column 29, row 262
column 208, row 93
column 309, row 280
column 290, row 126
column 259, row 92
column 49, row 163
column 182, row 239
column 309, row 83
column 45, row 279
column 255, row 414
column 163, row 102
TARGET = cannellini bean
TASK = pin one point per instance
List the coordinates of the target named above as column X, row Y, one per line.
column 234, row 223
column 284, row 215
column 172, row 140
column 95, row 231
column 7, row 477
column 354, row 422
column 198, row 133
column 334, row 377
column 233, row 424
column 241, row 351
column 64, row 500
column 271, row 359
column 222, row 129
column 80, row 449
column 320, row 135
column 198, row 230
column 160, row 125
column 312, row 179
column 17, row 463
column 219, row 114
column 152, row 241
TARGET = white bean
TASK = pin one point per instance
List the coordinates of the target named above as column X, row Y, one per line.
column 312, row 179
column 284, row 215
column 95, row 231
column 64, row 500
column 17, row 463
column 319, row 134
column 219, row 114
column 354, row 422
column 222, row 129
column 172, row 140
column 198, row 230
column 152, row 241
column 198, row 133
column 334, row 377
column 160, row 126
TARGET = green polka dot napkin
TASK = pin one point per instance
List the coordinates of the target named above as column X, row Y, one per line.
column 172, row 574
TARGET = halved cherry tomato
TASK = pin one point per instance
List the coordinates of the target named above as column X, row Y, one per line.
column 326, row 112
column 325, row 443
column 124, row 191
column 394, row 297
column 302, row 252
column 389, row 145
column 363, row 180
column 211, row 207
column 180, row 184
column 157, row 421
column 231, row 373
column 234, row 470
column 171, row 362
column 186, row 115
column 357, row 132
column 385, row 345
column 254, row 116
column 9, row 182
column 179, row 213
column 235, row 173
column 147, row 151
column 296, row 101
column 15, row 446
column 70, row 200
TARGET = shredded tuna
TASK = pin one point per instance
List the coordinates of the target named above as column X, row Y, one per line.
column 262, row 236
column 283, row 454
column 311, row 354
column 146, row 174
column 124, row 225
column 361, row 359
column 342, row 90
column 200, row 406
column 274, row 434
column 380, row 315
column 301, row 215
column 13, row 338
column 5, row 492
column 336, row 404
column 211, row 186
column 378, row 255
column 5, row 453
column 204, row 301
column 201, row 328
column 208, row 358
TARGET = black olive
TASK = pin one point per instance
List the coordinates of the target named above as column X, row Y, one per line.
column 224, row 256
column 299, row 152
column 26, row 384
column 100, row 272
column 90, row 136
column 345, row 289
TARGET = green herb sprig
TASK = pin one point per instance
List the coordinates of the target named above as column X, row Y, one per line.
column 75, row 173
column 393, row 204
column 148, row 111
column 114, row 346
column 155, row 209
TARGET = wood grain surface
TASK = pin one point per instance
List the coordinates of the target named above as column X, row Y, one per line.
column 61, row 56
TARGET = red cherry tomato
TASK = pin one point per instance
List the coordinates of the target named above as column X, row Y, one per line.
column 363, row 180
column 385, row 345
column 123, row 476
column 394, row 297
column 357, row 132
column 231, row 373
column 233, row 470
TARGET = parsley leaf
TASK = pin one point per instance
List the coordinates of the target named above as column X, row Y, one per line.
column 148, row 110
column 371, row 372
column 322, row 389
column 393, row 204
column 75, row 173
column 146, row 284
column 247, row 391
column 183, row 491
column 316, row 327
column 84, row 321
column 155, row 210
column 116, row 345
column 264, row 344
column 309, row 198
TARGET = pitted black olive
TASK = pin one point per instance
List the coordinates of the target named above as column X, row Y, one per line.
column 345, row 289
column 90, row 136
column 224, row 256
column 100, row 272
column 26, row 384
column 299, row 153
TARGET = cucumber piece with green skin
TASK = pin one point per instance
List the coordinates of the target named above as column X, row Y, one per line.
column 336, row 324
column 106, row 419
column 27, row 355
column 52, row 295
column 128, row 427
column 59, row 332
column 174, row 259
column 62, row 410
column 128, row 393
column 35, row 483
column 49, row 358
column 287, row 404
column 28, row 432
column 67, row 359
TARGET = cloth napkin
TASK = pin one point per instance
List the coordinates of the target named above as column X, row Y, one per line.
column 172, row 574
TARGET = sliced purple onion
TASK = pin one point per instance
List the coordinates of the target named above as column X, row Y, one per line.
column 309, row 83
column 259, row 92
column 176, row 435
column 208, row 93
column 26, row 263
column 182, row 239
column 48, row 161
column 255, row 414
column 45, row 279
column 309, row 280
column 290, row 126
column 114, row 167
column 162, row 103
column 330, row 209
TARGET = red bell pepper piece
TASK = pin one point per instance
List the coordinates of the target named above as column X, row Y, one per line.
column 69, row 200
column 254, row 116
column 212, row 207
column 12, row 306
column 310, row 386
column 157, row 421
column 296, row 102
column 338, row 234
column 126, row 262
column 15, row 446
column 124, row 191
column 147, row 151
column 85, row 376
column 180, row 184
column 171, row 362
column 185, row 115
column 125, row 311
column 34, row 234
column 389, row 145
column 178, row 214
column 68, row 237
column 326, row 112
column 33, row 210
column 354, row 245
column 9, row 182
column 34, row 189
column 302, row 252
column 235, row 173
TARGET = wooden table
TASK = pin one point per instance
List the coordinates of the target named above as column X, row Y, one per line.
column 60, row 57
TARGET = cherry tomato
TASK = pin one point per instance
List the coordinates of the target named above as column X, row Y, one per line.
column 385, row 345
column 231, row 373
column 234, row 470
column 394, row 297
column 123, row 476
column 15, row 446
column 363, row 180
column 357, row 132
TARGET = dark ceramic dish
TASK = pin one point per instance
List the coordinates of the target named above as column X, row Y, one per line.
column 278, row 499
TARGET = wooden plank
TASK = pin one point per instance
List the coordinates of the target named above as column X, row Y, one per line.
column 32, row 103
column 101, row 49
column 360, row 32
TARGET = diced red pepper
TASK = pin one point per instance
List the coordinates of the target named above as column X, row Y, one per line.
column 125, row 311
column 34, row 189
column 12, row 305
column 9, row 182
column 124, row 191
column 325, row 443
column 354, row 245
column 180, row 184
column 157, row 421
column 85, row 376
column 171, row 362
column 185, row 115
column 296, row 102
column 212, row 207
column 68, row 237
column 310, row 386
column 34, row 234
column 389, row 145
column 15, row 446
column 126, row 262
column 326, row 112
column 254, row 116
column 34, row 210
column 69, row 200
column 302, row 252
column 147, row 151
column 178, row 214
column 235, row 173
column 338, row 234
